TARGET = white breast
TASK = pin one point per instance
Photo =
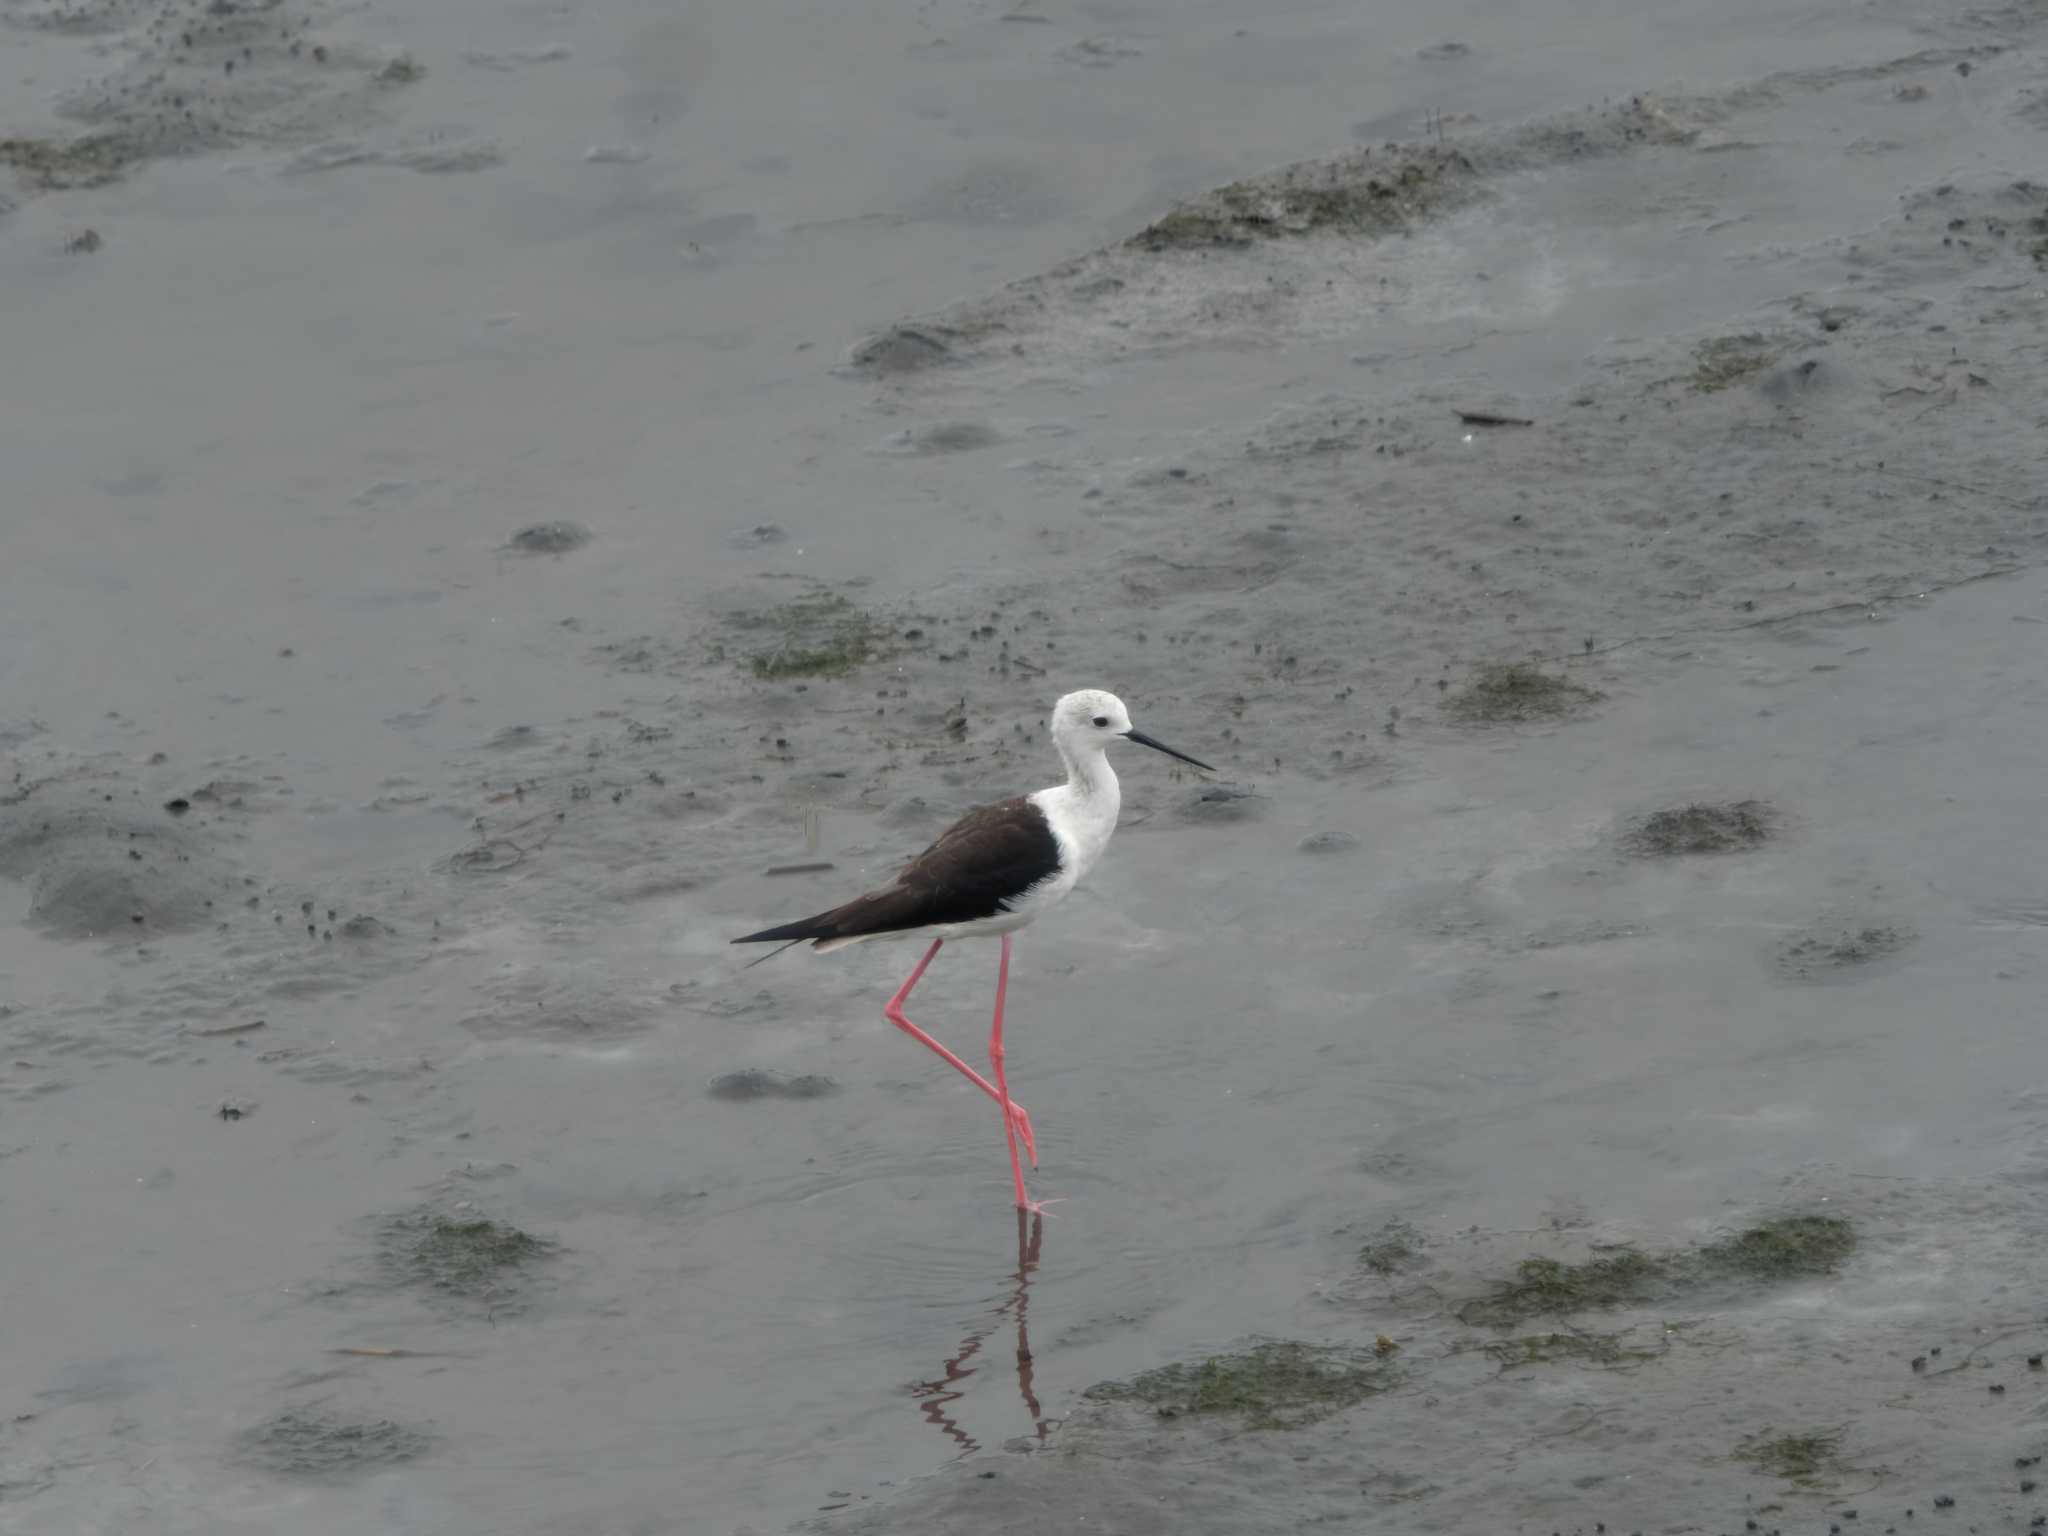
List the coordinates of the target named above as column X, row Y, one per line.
column 1081, row 823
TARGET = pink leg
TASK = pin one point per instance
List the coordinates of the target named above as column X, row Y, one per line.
column 995, row 1054
column 893, row 1012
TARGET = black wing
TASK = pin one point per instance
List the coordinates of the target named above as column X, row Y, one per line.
column 990, row 856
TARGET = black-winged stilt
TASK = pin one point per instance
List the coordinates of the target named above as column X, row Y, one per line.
column 993, row 871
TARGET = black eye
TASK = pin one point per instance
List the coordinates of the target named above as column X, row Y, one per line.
column 1102, row 720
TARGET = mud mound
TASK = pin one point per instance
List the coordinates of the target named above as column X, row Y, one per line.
column 1702, row 827
column 461, row 1258
column 1254, row 254
column 1831, row 951
column 901, row 349
column 197, row 75
column 1503, row 691
column 558, row 538
column 98, row 872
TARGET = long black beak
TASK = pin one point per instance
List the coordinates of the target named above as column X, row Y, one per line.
column 1159, row 746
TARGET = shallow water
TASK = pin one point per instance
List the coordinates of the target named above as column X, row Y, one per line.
column 467, row 827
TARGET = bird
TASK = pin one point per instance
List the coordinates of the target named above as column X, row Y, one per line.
column 997, row 869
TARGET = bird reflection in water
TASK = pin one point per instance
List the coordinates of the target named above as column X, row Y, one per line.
column 938, row 1396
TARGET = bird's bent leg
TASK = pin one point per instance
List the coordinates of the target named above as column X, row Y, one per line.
column 995, row 1055
column 893, row 1012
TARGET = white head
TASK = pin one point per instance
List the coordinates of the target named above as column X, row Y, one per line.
column 1089, row 720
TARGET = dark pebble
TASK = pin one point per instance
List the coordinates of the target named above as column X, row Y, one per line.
column 179, row 806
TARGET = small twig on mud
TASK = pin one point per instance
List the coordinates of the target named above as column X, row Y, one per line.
column 1977, row 1349
column 1786, row 618
column 1958, row 485
column 1593, row 1417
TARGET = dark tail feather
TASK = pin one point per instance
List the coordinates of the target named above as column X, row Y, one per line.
column 803, row 928
column 764, row 959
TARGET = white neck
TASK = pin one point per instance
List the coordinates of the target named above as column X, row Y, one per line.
column 1089, row 776
column 1083, row 810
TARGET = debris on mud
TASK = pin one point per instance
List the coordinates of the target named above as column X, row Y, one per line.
column 1502, row 691
column 1269, row 1386
column 467, row 1258
column 1783, row 1248
column 746, row 1086
column 314, row 1444
column 1702, row 827
column 1806, row 1460
column 820, row 635
column 1223, row 802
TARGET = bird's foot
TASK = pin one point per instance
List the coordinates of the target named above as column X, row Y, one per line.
column 1032, row 1207
column 1022, row 1124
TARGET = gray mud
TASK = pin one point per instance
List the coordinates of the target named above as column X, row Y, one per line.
column 1575, row 1063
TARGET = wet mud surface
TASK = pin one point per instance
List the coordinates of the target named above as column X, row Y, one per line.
column 1575, row 1063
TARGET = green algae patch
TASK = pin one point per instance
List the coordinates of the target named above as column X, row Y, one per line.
column 1807, row 1460
column 92, row 160
column 1702, row 827
column 1552, row 1288
column 1727, row 360
column 1782, row 1249
column 1391, row 1250
column 821, row 635
column 1502, row 691
column 1603, row 1350
column 315, row 1444
column 1358, row 195
column 1269, row 1386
